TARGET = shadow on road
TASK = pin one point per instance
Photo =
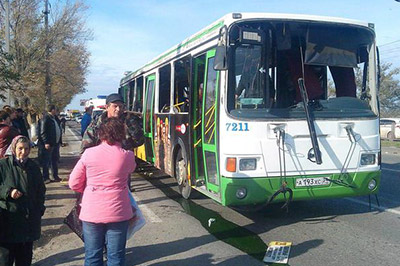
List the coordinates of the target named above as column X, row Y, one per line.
column 246, row 238
column 63, row 257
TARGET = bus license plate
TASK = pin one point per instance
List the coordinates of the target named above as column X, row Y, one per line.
column 313, row 181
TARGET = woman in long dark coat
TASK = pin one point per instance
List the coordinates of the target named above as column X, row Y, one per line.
column 22, row 193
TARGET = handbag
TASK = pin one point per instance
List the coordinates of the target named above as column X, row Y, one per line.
column 72, row 219
column 137, row 221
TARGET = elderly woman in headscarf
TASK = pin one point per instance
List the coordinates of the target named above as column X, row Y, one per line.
column 22, row 193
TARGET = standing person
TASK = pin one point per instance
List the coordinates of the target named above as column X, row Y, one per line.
column 49, row 140
column 7, row 132
column 115, row 107
column 13, row 114
column 37, row 132
column 63, row 122
column 56, row 154
column 106, row 207
column 86, row 119
column 22, row 194
column 20, row 123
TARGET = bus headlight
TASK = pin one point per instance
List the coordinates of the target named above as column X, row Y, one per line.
column 248, row 164
column 367, row 159
column 372, row 184
column 241, row 193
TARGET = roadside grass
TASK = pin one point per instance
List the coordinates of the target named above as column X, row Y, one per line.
column 388, row 143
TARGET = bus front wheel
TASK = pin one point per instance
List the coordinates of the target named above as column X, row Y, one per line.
column 181, row 175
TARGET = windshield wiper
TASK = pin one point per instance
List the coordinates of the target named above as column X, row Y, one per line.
column 311, row 128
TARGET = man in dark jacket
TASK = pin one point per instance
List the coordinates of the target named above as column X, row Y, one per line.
column 20, row 122
column 115, row 107
column 49, row 141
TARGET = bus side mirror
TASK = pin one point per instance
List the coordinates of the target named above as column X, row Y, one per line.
column 220, row 61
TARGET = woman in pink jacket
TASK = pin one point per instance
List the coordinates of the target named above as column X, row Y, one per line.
column 101, row 175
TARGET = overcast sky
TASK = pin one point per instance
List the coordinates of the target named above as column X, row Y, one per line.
column 129, row 33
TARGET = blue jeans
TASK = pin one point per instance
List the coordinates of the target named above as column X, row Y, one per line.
column 97, row 235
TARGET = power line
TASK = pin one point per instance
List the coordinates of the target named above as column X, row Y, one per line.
column 390, row 55
column 390, row 59
column 390, row 48
column 389, row 43
column 390, row 52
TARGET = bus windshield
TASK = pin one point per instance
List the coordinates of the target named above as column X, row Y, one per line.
column 333, row 59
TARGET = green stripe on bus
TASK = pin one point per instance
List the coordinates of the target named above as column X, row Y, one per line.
column 260, row 189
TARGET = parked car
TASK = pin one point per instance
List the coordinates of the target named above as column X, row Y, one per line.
column 390, row 128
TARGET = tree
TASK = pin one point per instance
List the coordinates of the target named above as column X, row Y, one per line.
column 66, row 40
column 7, row 75
column 389, row 93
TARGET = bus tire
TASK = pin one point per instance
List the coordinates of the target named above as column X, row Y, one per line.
column 181, row 175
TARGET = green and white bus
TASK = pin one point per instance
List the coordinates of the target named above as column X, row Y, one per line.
column 262, row 107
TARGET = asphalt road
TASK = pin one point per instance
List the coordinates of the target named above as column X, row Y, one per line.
column 325, row 232
column 180, row 232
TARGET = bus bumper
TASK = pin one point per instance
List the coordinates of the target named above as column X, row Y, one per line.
column 260, row 189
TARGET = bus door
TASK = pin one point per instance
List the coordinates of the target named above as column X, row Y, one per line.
column 148, row 118
column 209, row 124
column 199, row 67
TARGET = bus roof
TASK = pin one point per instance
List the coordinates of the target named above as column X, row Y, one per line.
column 212, row 31
column 298, row 17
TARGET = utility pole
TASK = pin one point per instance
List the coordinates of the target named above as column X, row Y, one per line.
column 7, row 50
column 47, row 87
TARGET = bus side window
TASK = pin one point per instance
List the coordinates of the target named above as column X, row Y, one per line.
column 165, row 89
column 181, row 84
column 138, row 96
column 129, row 103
